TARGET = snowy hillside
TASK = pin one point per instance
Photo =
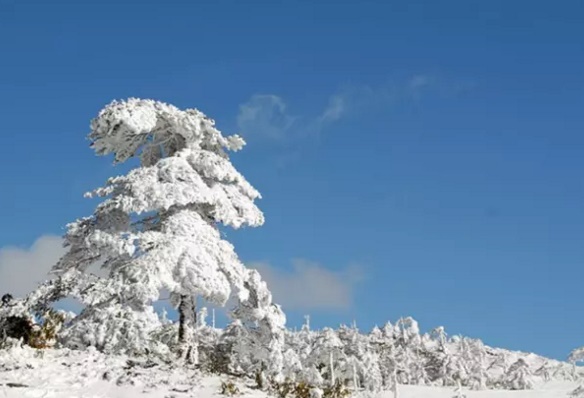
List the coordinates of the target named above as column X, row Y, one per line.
column 89, row 374
column 62, row 372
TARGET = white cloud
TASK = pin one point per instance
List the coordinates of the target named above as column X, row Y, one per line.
column 334, row 110
column 21, row 269
column 264, row 115
column 309, row 286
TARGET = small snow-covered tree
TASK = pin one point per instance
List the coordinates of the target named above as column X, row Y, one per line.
column 376, row 335
column 576, row 355
column 563, row 371
column 360, row 366
column 382, row 343
column 544, row 371
column 227, row 358
column 458, row 392
column 439, row 337
column 473, row 355
column 156, row 227
column 372, row 378
column 498, row 367
column 394, row 384
column 436, row 365
column 265, row 322
column 518, row 376
column 407, row 332
column 388, row 330
column 577, row 393
column 327, row 354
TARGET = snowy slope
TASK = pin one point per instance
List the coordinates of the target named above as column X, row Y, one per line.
column 89, row 374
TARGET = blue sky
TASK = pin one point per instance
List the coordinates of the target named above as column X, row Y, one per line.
column 416, row 158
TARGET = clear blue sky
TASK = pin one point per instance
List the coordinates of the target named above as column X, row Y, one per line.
column 452, row 176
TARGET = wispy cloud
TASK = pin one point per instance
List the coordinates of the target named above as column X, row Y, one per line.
column 310, row 286
column 22, row 269
column 334, row 110
column 268, row 115
column 352, row 101
column 265, row 115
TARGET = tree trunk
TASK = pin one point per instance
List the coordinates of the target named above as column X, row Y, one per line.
column 332, row 370
column 187, row 320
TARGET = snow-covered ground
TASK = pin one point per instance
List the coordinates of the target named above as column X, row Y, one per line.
column 548, row 390
column 26, row 372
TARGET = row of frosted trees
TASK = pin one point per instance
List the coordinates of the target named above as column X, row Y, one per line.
column 394, row 354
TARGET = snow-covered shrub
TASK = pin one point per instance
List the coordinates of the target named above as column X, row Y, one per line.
column 114, row 328
column 16, row 322
column 46, row 334
column 166, row 334
column 292, row 365
column 337, row 390
column 17, row 328
column 228, row 388
column 302, row 389
column 207, row 339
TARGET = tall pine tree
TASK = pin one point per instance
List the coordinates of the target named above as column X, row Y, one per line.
column 156, row 228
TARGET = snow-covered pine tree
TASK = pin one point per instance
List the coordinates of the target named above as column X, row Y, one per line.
column 156, row 227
